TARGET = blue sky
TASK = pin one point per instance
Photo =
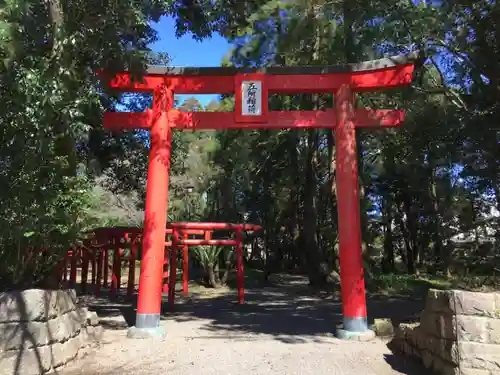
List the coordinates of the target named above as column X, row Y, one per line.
column 186, row 51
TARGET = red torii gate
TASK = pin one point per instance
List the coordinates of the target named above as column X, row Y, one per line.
column 251, row 88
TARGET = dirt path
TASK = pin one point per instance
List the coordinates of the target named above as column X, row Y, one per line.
column 279, row 330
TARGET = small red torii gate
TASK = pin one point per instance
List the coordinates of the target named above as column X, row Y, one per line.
column 251, row 88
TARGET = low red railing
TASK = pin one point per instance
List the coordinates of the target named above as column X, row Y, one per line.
column 103, row 253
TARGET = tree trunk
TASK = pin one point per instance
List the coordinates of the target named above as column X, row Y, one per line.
column 316, row 267
column 217, row 274
column 212, row 281
column 388, row 258
column 315, row 270
column 294, row 196
column 268, row 225
column 225, row 275
column 65, row 144
column 408, row 228
column 441, row 259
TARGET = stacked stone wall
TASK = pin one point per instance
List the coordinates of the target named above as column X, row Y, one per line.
column 458, row 334
column 41, row 330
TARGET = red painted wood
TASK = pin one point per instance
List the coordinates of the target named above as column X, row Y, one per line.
column 166, row 257
column 115, row 270
column 185, row 265
column 178, row 84
column 214, row 226
column 65, row 267
column 73, row 261
column 103, row 233
column 239, row 265
column 344, row 121
column 94, row 265
column 105, row 266
column 85, row 259
column 100, row 263
column 364, row 118
column 199, row 242
column 349, row 223
column 397, row 76
column 173, row 268
column 131, row 267
column 153, row 244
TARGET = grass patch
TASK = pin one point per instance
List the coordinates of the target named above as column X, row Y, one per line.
column 401, row 284
column 397, row 284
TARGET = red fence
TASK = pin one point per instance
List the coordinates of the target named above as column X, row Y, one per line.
column 106, row 251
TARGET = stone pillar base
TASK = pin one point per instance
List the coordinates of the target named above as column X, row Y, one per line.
column 146, row 333
column 344, row 334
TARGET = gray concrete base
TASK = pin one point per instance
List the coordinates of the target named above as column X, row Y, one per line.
column 344, row 334
column 146, row 333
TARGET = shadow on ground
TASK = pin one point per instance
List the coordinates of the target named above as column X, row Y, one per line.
column 406, row 365
column 286, row 311
column 285, row 308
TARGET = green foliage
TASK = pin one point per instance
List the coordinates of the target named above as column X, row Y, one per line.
column 207, row 255
column 421, row 212
column 428, row 190
column 49, row 54
column 418, row 286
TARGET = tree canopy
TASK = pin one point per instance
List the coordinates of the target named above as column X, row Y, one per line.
column 430, row 189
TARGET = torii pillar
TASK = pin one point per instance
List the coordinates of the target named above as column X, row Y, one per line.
column 251, row 88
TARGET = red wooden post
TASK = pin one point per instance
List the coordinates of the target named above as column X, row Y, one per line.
column 65, row 266
column 85, row 269
column 121, row 245
column 72, row 275
column 100, row 263
column 208, row 235
column 114, row 268
column 251, row 90
column 166, row 259
column 173, row 268
column 60, row 270
column 93, row 255
column 131, row 267
column 239, row 265
column 149, row 301
column 185, row 265
column 105, row 266
column 351, row 261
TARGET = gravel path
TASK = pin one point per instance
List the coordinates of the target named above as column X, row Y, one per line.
column 277, row 331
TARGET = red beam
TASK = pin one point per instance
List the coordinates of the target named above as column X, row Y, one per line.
column 116, row 231
column 122, row 231
column 193, row 232
column 240, row 267
column 185, row 265
column 178, row 84
column 369, row 80
column 398, row 76
column 214, row 226
column 191, row 242
column 276, row 120
column 365, row 118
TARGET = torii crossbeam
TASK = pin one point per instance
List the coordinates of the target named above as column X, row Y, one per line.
column 251, row 88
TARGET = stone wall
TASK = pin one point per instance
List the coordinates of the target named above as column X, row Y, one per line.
column 459, row 333
column 41, row 330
